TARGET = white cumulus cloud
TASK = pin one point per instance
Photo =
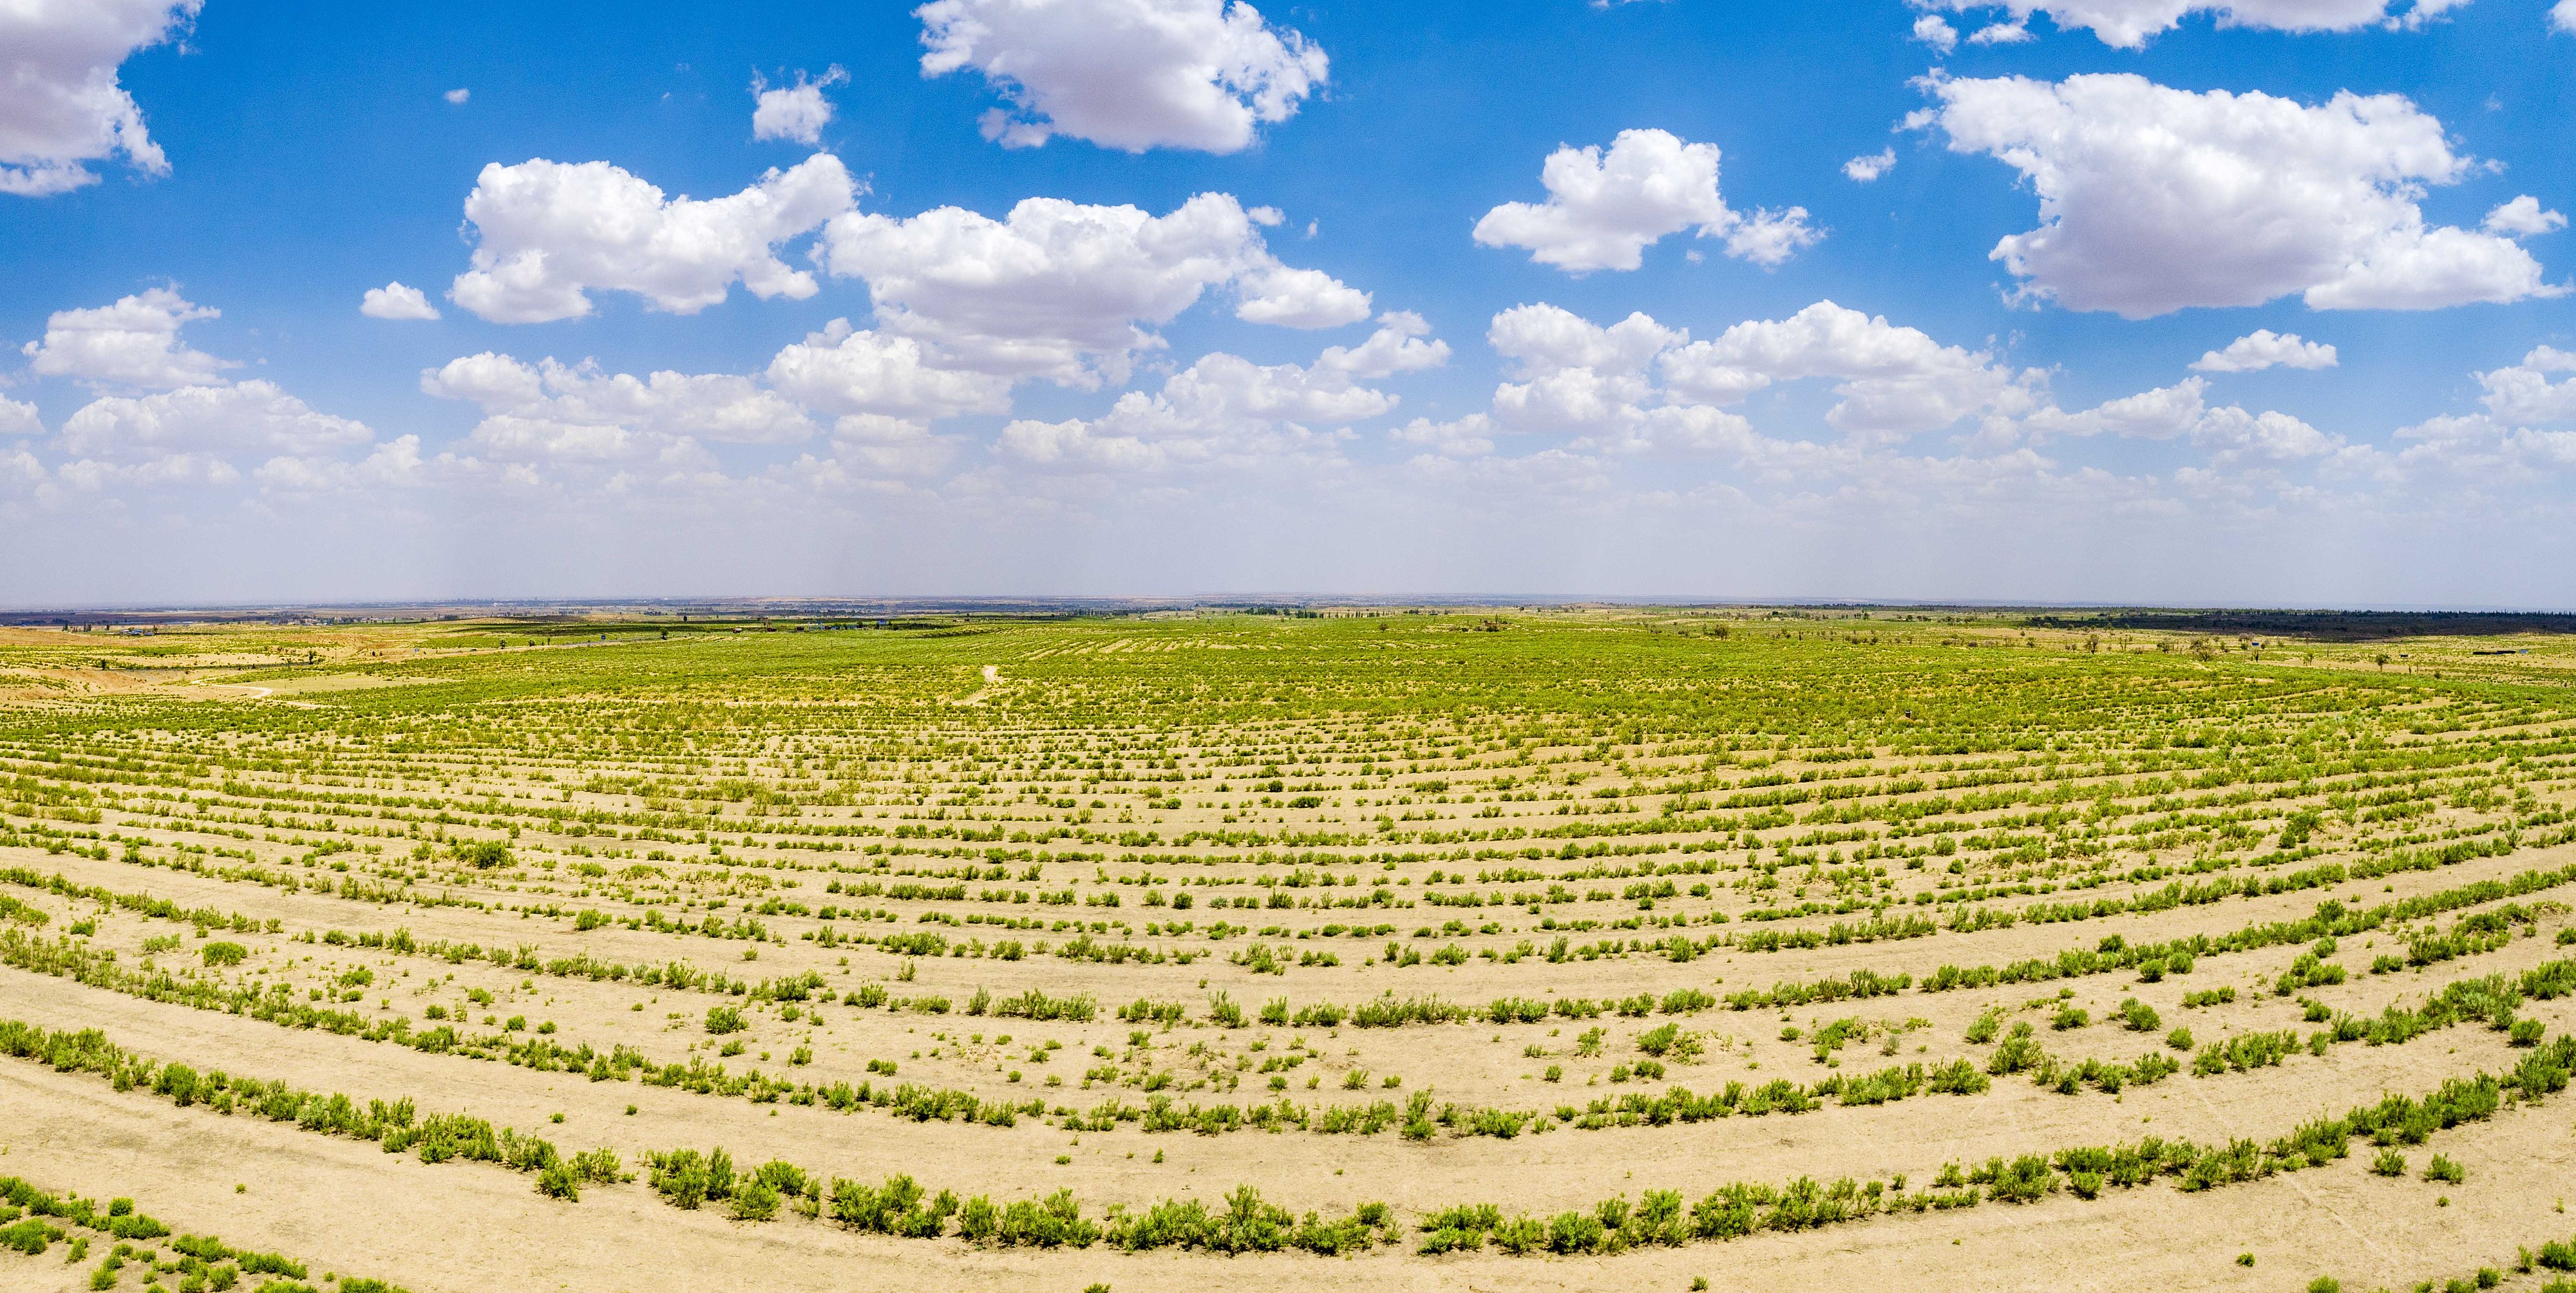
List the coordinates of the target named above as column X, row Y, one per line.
column 2524, row 393
column 1067, row 291
column 60, row 103
column 1893, row 380
column 2154, row 199
column 396, row 301
column 550, row 407
column 2263, row 348
column 1636, row 386
column 458, row 95
column 797, row 112
column 1227, row 409
column 18, row 417
column 2127, row 24
column 2179, row 410
column 251, row 416
column 2562, row 16
column 1863, row 170
column 1125, row 74
column 861, row 372
column 552, row 232
column 1934, row 30
column 2523, row 218
column 1604, row 209
column 134, row 342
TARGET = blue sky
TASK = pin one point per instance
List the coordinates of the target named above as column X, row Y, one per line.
column 1299, row 308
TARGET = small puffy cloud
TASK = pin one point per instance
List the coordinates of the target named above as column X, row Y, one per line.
column 1067, row 291
column 1863, row 170
column 1125, row 74
column 1398, row 346
column 552, row 409
column 1467, row 437
column 2001, row 33
column 395, row 301
column 2523, row 218
column 1895, row 381
column 2155, row 199
column 2264, row 348
column 1934, row 30
column 60, row 104
column 458, row 95
column 1604, row 209
column 797, row 112
column 2562, row 16
column 134, row 342
column 251, row 416
column 2127, row 24
column 19, row 418
column 859, row 372
column 2523, row 393
column 1769, row 238
column 550, row 233
column 1299, row 298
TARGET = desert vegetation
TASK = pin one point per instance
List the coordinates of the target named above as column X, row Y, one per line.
column 1402, row 938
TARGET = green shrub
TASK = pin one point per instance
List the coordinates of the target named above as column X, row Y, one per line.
column 220, row 953
column 725, row 1019
column 560, row 1180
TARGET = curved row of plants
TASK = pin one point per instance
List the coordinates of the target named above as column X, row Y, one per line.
column 33, row 1220
column 689, row 1178
column 2492, row 998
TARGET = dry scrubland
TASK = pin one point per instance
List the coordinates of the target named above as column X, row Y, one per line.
column 1528, row 951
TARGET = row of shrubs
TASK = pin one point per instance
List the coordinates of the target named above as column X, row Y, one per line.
column 398, row 1126
column 908, row 1100
column 205, row 1262
column 691, row 1179
column 2154, row 960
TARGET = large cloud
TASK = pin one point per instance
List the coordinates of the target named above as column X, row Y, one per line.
column 861, row 372
column 551, row 232
column 134, row 342
column 1604, row 209
column 1066, row 291
column 1127, row 74
column 1893, row 380
column 60, row 104
column 2170, row 412
column 556, row 410
column 2128, row 23
column 213, row 421
column 1574, row 375
column 2155, row 199
column 1225, row 408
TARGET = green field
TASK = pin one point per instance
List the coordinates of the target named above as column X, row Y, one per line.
column 1529, row 949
